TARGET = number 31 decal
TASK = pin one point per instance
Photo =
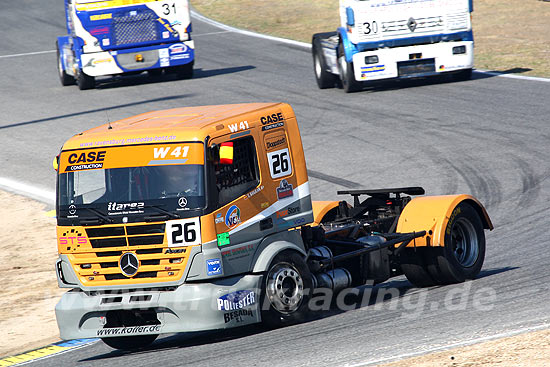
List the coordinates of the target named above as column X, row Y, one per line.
column 183, row 232
column 279, row 163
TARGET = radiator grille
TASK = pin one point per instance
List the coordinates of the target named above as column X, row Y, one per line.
column 135, row 28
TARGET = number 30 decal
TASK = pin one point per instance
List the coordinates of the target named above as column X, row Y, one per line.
column 183, row 232
column 279, row 163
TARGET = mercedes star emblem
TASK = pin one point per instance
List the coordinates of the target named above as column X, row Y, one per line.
column 72, row 209
column 182, row 202
column 129, row 264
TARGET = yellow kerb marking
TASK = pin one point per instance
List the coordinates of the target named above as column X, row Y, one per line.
column 29, row 356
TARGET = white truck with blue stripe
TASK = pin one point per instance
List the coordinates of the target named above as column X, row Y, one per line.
column 384, row 39
column 113, row 37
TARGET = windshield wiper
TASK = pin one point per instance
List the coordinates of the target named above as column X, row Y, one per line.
column 159, row 209
column 98, row 213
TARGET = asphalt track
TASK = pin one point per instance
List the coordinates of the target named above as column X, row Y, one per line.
column 487, row 137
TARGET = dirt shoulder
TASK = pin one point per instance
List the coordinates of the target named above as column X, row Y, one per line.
column 27, row 319
column 530, row 349
column 510, row 36
column 29, row 285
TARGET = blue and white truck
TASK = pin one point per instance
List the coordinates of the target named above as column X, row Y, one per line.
column 110, row 37
column 383, row 39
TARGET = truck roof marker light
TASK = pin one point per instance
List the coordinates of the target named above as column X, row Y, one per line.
column 351, row 16
column 226, row 153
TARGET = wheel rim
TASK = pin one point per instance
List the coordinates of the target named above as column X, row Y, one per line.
column 59, row 66
column 464, row 242
column 284, row 288
column 317, row 67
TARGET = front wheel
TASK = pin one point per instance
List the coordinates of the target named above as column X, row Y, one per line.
column 185, row 71
column 463, row 75
column 286, row 290
column 347, row 76
column 130, row 342
column 64, row 78
column 85, row 81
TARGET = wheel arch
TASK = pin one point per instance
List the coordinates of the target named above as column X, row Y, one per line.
column 349, row 48
column 273, row 245
column 432, row 214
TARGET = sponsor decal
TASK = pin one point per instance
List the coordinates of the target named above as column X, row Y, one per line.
column 275, row 140
column 106, row 42
column 223, row 239
column 373, row 69
column 177, row 48
column 101, row 16
column 114, row 208
column 72, row 209
column 288, row 211
column 254, row 192
column 272, row 121
column 174, row 251
column 299, row 221
column 284, row 190
column 219, row 218
column 82, row 161
column 456, row 212
column 180, row 57
column 182, row 202
column 125, row 330
column 233, row 216
column 264, row 205
column 239, row 252
column 237, row 316
column 236, row 300
column 72, row 237
column 129, row 264
column 213, row 267
column 99, row 30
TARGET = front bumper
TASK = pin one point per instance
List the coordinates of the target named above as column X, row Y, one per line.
column 137, row 59
column 389, row 58
column 187, row 308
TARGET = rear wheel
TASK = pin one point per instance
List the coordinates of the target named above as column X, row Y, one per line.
column 324, row 78
column 347, row 76
column 130, row 342
column 64, row 78
column 85, row 81
column 415, row 268
column 286, row 290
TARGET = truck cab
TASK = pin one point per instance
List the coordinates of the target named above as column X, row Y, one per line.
column 115, row 37
column 386, row 39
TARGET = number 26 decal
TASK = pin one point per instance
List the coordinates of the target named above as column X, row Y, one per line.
column 279, row 163
column 183, row 232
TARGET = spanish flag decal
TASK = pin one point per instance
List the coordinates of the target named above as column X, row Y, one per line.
column 226, row 153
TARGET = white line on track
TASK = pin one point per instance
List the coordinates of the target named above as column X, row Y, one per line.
column 451, row 346
column 27, row 54
column 308, row 46
column 27, row 190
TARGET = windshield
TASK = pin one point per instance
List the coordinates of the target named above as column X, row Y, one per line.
column 129, row 181
column 127, row 191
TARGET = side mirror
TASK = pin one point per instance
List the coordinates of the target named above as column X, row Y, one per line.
column 56, row 162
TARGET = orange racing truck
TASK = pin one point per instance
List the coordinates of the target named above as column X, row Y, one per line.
column 201, row 218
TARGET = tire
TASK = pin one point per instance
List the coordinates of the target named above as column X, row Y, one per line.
column 415, row 268
column 462, row 75
column 154, row 73
column 464, row 252
column 85, row 81
column 347, row 77
column 185, row 71
column 64, row 78
column 130, row 342
column 286, row 290
column 324, row 78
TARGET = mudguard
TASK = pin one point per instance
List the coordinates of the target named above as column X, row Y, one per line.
column 320, row 209
column 272, row 245
column 349, row 48
column 432, row 214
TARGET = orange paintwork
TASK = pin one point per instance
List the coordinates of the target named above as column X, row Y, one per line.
column 320, row 209
column 431, row 214
column 131, row 142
